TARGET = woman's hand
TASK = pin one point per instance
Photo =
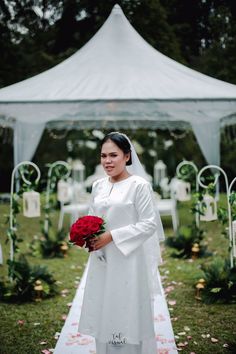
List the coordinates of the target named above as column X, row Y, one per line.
column 98, row 242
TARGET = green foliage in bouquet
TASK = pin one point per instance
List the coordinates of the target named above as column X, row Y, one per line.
column 25, row 281
column 183, row 242
column 220, row 282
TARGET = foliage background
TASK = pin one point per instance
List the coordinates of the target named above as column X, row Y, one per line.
column 37, row 35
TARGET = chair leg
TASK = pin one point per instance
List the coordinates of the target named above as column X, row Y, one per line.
column 174, row 220
column 74, row 216
column 60, row 221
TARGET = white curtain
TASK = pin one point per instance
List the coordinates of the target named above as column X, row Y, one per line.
column 26, row 139
column 208, row 137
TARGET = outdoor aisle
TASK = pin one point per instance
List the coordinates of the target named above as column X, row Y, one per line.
column 72, row 342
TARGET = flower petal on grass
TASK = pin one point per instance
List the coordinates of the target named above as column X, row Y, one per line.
column 182, row 345
column 57, row 335
column 172, row 302
column 214, row 340
column 186, row 328
column 174, row 318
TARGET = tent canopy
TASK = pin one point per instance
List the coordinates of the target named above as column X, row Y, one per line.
column 118, row 80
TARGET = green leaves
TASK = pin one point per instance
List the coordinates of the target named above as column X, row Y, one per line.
column 24, row 277
column 220, row 282
column 184, row 241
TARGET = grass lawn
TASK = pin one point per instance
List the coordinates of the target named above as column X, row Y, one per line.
column 194, row 323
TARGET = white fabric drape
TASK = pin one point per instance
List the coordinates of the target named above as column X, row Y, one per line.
column 208, row 137
column 26, row 139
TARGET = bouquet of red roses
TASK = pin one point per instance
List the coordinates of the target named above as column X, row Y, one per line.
column 85, row 228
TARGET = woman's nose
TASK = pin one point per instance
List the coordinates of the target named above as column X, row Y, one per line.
column 108, row 159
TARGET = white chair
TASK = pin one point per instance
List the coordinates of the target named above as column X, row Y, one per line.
column 76, row 209
column 167, row 207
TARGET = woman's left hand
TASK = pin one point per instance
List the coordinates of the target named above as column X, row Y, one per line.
column 100, row 241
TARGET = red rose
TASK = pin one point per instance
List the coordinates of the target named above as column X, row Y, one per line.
column 74, row 236
column 85, row 227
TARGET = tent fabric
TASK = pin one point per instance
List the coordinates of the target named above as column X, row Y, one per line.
column 26, row 139
column 118, row 80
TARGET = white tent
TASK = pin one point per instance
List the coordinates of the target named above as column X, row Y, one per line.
column 118, row 80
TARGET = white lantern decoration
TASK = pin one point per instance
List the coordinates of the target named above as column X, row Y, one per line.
column 234, row 236
column 159, row 172
column 78, row 169
column 31, row 204
column 209, row 208
column 182, row 190
column 63, row 191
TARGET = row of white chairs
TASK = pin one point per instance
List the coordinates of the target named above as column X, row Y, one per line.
column 166, row 207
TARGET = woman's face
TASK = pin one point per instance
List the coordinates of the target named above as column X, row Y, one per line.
column 113, row 159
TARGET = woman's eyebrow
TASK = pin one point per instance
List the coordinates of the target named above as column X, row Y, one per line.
column 109, row 153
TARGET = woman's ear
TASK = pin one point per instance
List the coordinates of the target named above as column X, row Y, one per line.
column 127, row 157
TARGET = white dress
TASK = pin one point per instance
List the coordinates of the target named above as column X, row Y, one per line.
column 117, row 306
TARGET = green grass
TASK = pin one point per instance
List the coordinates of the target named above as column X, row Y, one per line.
column 43, row 319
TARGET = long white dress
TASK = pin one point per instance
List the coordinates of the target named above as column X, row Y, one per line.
column 118, row 307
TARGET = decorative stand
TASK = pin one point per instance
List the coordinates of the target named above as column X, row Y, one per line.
column 12, row 221
column 233, row 222
column 179, row 174
column 47, row 206
column 228, row 192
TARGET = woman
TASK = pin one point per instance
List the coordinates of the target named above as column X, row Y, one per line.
column 118, row 297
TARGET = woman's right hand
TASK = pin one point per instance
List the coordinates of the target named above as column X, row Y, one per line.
column 88, row 244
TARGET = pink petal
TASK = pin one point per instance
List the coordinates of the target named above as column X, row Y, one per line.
column 172, row 302
column 182, row 345
column 174, row 319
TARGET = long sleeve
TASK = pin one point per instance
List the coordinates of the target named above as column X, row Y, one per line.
column 128, row 238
